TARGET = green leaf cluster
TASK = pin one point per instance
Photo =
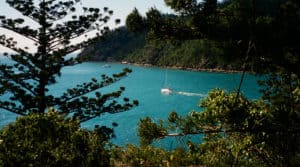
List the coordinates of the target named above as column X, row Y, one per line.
column 51, row 140
column 151, row 156
column 135, row 22
column 238, row 131
column 150, row 130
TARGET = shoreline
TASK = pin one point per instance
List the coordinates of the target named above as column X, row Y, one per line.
column 216, row 70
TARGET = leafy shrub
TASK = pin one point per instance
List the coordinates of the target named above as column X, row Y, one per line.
column 51, row 140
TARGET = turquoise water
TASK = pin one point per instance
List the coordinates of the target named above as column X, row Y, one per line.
column 144, row 84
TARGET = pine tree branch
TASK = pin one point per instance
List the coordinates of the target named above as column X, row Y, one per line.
column 21, row 84
column 87, row 118
column 73, row 48
column 270, row 131
column 56, row 40
column 89, row 108
column 30, row 11
column 52, row 40
column 56, row 17
column 19, row 31
column 11, row 44
column 83, row 89
column 11, row 110
column 59, row 41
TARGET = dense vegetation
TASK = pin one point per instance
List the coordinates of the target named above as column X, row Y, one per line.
column 213, row 35
column 136, row 43
column 232, row 130
column 39, row 139
column 124, row 45
column 114, row 46
column 51, row 140
column 236, row 131
column 195, row 54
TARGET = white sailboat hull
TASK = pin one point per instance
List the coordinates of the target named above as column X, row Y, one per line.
column 166, row 91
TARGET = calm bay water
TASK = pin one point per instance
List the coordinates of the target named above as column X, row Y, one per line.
column 144, row 84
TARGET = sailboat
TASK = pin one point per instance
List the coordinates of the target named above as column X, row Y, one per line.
column 106, row 66
column 165, row 89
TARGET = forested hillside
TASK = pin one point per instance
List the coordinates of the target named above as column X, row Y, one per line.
column 123, row 45
column 115, row 45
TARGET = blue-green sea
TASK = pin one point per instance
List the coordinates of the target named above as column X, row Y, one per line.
column 144, row 84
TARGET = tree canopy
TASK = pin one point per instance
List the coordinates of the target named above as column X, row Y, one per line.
column 26, row 81
column 238, row 131
column 50, row 139
column 262, row 33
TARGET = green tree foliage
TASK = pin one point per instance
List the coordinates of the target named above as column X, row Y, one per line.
column 238, row 131
column 161, row 26
column 264, row 33
column 26, row 81
column 151, row 156
column 51, row 140
column 151, row 130
column 209, row 7
column 182, row 6
column 135, row 22
column 144, row 47
column 198, row 54
column 135, row 156
column 226, row 35
column 123, row 45
column 115, row 45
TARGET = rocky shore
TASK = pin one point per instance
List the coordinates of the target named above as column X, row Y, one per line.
column 218, row 70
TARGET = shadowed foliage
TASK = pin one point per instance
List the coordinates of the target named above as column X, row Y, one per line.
column 237, row 131
column 51, row 140
column 49, row 134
